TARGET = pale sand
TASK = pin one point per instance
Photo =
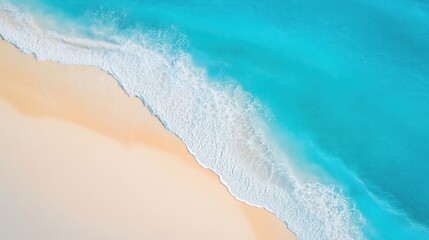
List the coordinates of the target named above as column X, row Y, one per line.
column 79, row 159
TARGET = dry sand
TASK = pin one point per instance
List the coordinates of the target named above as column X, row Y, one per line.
column 79, row 159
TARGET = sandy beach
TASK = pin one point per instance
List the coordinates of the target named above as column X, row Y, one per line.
column 79, row 159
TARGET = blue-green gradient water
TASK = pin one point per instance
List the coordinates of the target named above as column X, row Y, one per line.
column 347, row 83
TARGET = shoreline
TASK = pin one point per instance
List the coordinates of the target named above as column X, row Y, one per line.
column 88, row 99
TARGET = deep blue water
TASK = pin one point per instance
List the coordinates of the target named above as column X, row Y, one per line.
column 347, row 83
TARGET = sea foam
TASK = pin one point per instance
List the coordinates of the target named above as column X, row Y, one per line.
column 221, row 125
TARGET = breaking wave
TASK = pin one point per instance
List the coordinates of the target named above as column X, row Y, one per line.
column 223, row 127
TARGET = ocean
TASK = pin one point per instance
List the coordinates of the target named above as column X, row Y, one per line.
column 315, row 110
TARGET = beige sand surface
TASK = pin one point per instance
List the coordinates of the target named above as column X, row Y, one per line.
column 79, row 159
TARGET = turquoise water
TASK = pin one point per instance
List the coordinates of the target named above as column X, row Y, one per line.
column 347, row 83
